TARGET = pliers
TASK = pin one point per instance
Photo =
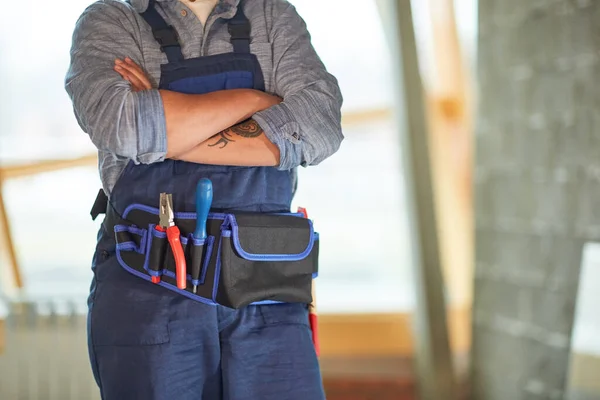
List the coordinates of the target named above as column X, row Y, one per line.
column 167, row 224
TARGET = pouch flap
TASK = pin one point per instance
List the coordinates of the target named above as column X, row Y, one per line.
column 267, row 237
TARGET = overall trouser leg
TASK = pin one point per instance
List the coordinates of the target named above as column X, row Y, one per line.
column 267, row 353
column 148, row 343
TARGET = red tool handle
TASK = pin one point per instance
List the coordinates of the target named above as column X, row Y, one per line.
column 180, row 265
column 314, row 327
column 312, row 308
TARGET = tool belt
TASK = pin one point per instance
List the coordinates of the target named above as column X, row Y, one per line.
column 246, row 258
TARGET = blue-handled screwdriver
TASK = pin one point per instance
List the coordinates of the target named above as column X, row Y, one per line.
column 204, row 196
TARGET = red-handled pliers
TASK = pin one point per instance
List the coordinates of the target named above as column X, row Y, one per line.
column 167, row 224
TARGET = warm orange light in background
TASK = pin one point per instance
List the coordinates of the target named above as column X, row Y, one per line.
column 450, row 120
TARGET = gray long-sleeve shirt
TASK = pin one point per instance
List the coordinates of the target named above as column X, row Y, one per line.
column 125, row 125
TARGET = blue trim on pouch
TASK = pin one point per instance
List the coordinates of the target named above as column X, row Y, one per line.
column 266, row 257
column 266, row 302
column 178, row 215
column 217, row 273
column 163, row 284
column 129, row 246
column 136, row 231
column 130, row 228
column 210, row 242
column 157, row 233
column 147, row 258
column 126, row 246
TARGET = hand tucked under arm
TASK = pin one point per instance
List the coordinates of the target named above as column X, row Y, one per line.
column 244, row 144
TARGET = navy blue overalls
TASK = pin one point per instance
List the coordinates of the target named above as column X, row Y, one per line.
column 147, row 342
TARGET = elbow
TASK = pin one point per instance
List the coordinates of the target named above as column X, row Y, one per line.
column 321, row 148
column 324, row 138
column 114, row 140
column 119, row 127
column 311, row 148
column 306, row 127
column 334, row 144
column 112, row 126
column 122, row 142
column 325, row 134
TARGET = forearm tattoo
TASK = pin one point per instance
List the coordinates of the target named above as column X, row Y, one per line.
column 223, row 139
column 247, row 129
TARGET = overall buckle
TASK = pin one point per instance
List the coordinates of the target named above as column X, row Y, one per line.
column 166, row 37
column 239, row 31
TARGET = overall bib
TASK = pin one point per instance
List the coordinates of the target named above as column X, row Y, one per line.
column 147, row 342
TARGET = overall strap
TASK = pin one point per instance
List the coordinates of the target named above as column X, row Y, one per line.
column 164, row 34
column 239, row 29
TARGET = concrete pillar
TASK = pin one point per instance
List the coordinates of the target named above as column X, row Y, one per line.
column 537, row 189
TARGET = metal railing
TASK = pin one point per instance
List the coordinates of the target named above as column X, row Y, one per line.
column 21, row 171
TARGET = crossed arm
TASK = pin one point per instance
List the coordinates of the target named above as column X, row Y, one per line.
column 149, row 125
column 243, row 144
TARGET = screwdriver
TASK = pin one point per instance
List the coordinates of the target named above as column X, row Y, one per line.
column 204, row 196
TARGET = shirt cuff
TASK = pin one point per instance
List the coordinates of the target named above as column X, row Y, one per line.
column 152, row 127
column 282, row 130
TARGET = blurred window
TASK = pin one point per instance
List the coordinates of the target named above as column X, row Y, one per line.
column 355, row 197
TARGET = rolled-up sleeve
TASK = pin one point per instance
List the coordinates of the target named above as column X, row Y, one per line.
column 306, row 126
column 118, row 120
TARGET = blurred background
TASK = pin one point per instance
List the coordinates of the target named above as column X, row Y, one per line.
column 474, row 123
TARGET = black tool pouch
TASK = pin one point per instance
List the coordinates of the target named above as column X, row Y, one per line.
column 247, row 258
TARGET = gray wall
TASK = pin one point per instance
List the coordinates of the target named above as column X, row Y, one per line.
column 537, row 189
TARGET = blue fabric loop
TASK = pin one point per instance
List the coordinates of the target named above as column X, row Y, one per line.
column 131, row 244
